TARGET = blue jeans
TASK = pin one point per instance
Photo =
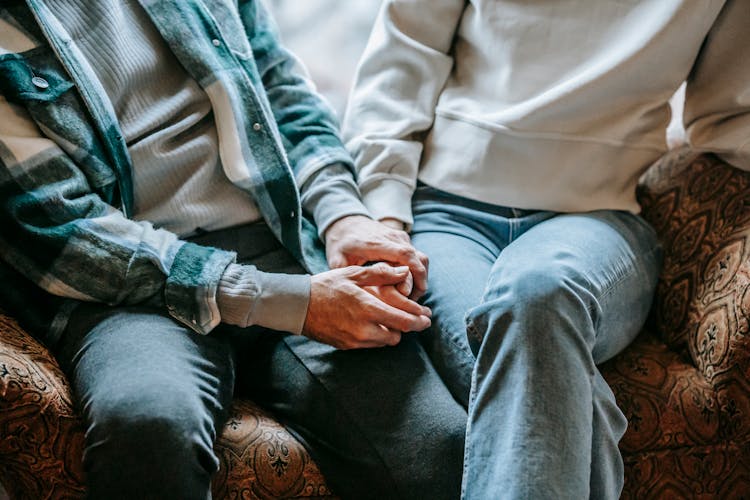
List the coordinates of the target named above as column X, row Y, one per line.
column 153, row 394
column 525, row 305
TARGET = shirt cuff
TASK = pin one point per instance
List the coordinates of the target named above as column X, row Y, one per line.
column 247, row 296
column 191, row 287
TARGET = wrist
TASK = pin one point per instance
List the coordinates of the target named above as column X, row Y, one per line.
column 340, row 225
column 393, row 223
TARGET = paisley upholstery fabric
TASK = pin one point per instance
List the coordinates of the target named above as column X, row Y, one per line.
column 684, row 384
column 41, row 438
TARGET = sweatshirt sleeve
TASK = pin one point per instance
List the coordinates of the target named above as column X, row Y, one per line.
column 404, row 67
column 331, row 194
column 717, row 97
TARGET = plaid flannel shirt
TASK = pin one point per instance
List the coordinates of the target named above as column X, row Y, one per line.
column 66, row 189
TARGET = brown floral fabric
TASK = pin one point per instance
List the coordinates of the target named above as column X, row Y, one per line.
column 685, row 388
column 260, row 459
column 713, row 472
column 668, row 404
column 41, row 438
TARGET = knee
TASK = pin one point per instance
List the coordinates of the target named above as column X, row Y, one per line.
column 147, row 421
column 534, row 297
column 540, row 285
column 439, row 458
column 141, row 446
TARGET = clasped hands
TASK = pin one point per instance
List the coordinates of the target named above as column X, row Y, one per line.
column 357, row 305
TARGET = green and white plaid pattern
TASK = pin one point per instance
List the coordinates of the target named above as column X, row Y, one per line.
column 66, row 179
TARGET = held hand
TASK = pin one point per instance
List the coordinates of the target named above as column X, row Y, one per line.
column 356, row 239
column 345, row 315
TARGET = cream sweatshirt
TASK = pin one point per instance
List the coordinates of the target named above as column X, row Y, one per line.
column 548, row 104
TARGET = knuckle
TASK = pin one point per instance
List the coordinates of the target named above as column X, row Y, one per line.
column 360, row 336
column 380, row 267
column 355, row 272
column 423, row 258
column 406, row 252
column 403, row 324
column 349, row 342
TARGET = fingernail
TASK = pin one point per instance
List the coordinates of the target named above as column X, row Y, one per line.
column 402, row 269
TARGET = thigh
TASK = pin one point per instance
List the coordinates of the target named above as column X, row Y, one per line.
column 138, row 360
column 459, row 268
column 612, row 258
column 462, row 251
column 379, row 422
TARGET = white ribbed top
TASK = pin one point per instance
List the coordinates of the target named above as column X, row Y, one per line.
column 165, row 117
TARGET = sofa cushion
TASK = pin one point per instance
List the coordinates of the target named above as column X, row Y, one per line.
column 700, row 207
column 667, row 401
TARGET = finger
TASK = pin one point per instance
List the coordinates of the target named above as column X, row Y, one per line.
column 407, row 286
column 390, row 337
column 396, row 319
column 420, row 279
column 370, row 335
column 402, row 254
column 379, row 274
column 392, row 297
column 336, row 261
column 399, row 254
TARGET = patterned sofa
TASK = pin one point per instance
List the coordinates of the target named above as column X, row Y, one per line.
column 684, row 384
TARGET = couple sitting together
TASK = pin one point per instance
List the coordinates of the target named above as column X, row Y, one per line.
column 181, row 222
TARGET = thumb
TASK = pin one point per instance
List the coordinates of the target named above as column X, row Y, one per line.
column 406, row 286
column 336, row 260
column 381, row 274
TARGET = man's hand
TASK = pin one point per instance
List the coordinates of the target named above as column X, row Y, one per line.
column 355, row 240
column 345, row 315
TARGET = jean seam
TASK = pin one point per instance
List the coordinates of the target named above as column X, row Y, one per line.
column 606, row 292
column 455, row 343
column 464, row 468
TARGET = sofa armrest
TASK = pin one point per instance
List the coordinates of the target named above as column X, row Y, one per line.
column 700, row 206
column 41, row 442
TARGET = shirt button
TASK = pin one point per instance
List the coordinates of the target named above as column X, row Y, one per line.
column 40, row 82
column 256, row 126
column 292, row 214
column 216, row 42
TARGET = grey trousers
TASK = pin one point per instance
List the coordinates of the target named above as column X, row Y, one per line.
column 378, row 422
